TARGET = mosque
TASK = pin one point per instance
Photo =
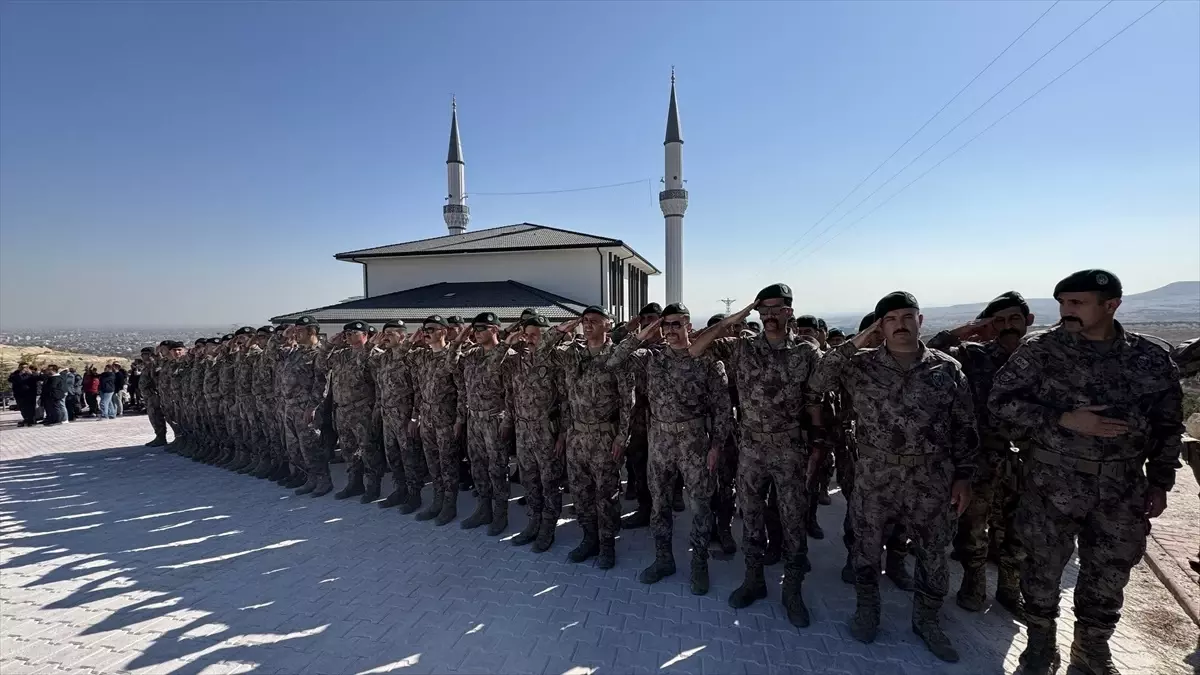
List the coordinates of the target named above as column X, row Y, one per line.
column 513, row 267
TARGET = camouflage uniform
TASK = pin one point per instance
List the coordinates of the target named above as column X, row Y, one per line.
column 435, row 398
column 148, row 386
column 301, row 390
column 266, row 406
column 1082, row 486
column 354, row 395
column 227, row 373
column 916, row 435
column 395, row 405
column 689, row 408
column 774, row 392
column 534, row 382
column 253, row 440
column 599, row 403
column 481, row 402
column 980, row 362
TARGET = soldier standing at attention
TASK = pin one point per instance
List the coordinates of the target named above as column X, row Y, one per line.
column 1102, row 411
column 435, row 399
column 772, row 373
column 264, row 402
column 637, row 485
column 596, row 417
column 690, row 418
column 723, row 506
column 251, row 432
column 345, row 358
column 1000, row 327
column 148, row 387
column 212, row 402
column 481, row 403
column 810, row 327
column 917, row 445
column 534, row 384
column 230, row 363
column 302, row 389
column 395, row 405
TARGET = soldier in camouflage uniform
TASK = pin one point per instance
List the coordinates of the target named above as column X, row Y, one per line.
column 230, row 374
column 917, row 443
column 596, row 420
column 263, row 402
column 690, row 420
column 999, row 328
column 533, row 384
column 190, row 421
column 638, row 452
column 148, row 386
column 1101, row 411
column 811, row 328
column 251, row 436
column 346, row 358
column 437, row 387
column 723, row 501
column 302, row 383
column 481, row 403
column 772, row 372
column 391, row 367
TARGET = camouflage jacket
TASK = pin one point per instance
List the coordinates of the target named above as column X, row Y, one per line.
column 533, row 382
column 192, row 391
column 245, row 374
column 773, row 382
column 980, row 362
column 148, row 382
column 301, row 380
column 393, row 382
column 595, row 394
column 1057, row 372
column 924, row 409
column 228, row 367
column 483, row 384
column 212, row 378
column 264, row 375
column 679, row 387
column 437, row 387
column 349, row 374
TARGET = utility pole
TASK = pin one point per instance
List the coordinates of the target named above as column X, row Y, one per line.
column 729, row 304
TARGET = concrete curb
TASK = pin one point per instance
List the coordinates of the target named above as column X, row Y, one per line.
column 1158, row 559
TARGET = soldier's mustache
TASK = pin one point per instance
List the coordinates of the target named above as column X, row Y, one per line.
column 1071, row 318
column 1009, row 331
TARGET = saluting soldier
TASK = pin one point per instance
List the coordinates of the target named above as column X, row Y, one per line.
column 148, row 387
column 394, row 383
column 435, row 400
column 345, row 357
column 303, row 380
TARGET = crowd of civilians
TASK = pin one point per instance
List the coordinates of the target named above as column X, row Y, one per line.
column 54, row 395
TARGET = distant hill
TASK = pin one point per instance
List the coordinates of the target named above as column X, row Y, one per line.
column 1177, row 302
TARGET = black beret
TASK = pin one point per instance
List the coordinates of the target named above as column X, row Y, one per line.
column 836, row 332
column 806, row 321
column 676, row 308
column 652, row 308
column 201, row 341
column 821, row 325
column 866, row 321
column 306, row 320
column 178, row 345
column 244, row 330
column 370, row 330
column 165, row 343
column 287, row 322
column 715, row 319
column 486, row 319
column 148, row 350
column 528, row 312
column 592, row 309
column 1099, row 281
column 393, row 324
column 894, row 301
column 227, row 337
column 436, row 319
column 266, row 330
column 1005, row 301
column 355, row 325
column 775, row 292
column 536, row 320
column 215, row 341
column 454, row 320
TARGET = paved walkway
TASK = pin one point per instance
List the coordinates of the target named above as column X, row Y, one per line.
column 116, row 558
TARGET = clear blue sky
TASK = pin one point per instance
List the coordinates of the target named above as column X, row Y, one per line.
column 199, row 163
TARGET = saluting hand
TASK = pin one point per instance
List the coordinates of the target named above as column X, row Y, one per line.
column 960, row 495
column 569, row 327
column 864, row 337
column 650, row 332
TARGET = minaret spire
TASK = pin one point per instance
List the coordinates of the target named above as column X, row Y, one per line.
column 456, row 213
column 673, row 199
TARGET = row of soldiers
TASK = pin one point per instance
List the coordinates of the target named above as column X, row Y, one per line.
column 923, row 436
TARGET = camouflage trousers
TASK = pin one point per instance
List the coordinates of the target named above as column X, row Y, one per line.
column 723, row 500
column 1056, row 506
column 357, row 438
column 780, row 458
column 595, row 479
column 488, row 454
column 681, row 450
column 403, row 454
column 918, row 496
column 991, row 484
column 303, row 444
column 253, row 438
column 270, row 433
column 233, row 424
column 158, row 421
column 441, row 455
column 846, row 456
column 541, row 469
column 637, row 455
column 218, row 430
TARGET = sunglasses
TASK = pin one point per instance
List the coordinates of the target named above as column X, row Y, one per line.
column 480, row 328
column 431, row 329
column 673, row 324
column 773, row 311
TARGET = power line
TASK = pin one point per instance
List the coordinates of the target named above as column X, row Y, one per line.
column 985, row 129
column 918, row 131
column 554, row 192
column 954, row 128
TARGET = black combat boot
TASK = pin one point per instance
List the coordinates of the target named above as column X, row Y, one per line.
column 865, row 624
column 754, row 587
column 586, row 549
column 263, row 469
column 308, row 487
column 848, row 570
column 545, row 537
column 639, row 518
column 700, row 573
column 608, row 554
column 677, row 503
column 481, row 516
column 1090, row 652
column 354, row 486
column 973, row 591
column 280, row 473
column 774, row 553
column 158, row 442
column 371, row 489
column 250, row 465
column 398, row 496
column 813, row 527
column 449, row 510
column 793, row 601
column 412, row 503
column 300, row 477
column 823, row 496
column 1008, row 591
column 897, row 571
column 663, row 565
column 1041, row 649
column 324, row 486
column 435, row 507
column 528, row 534
column 499, row 518
column 725, row 537
column 927, row 627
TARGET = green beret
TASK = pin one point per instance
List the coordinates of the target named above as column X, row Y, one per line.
column 807, row 321
column 894, row 301
column 775, row 292
column 866, row 321
column 306, row 320
column 536, row 320
column 436, row 319
column 394, row 324
column 1098, row 281
column 355, row 325
column 454, row 320
column 486, row 319
column 715, row 319
column 652, row 308
column 244, row 330
column 1005, row 301
column 592, row 309
column 528, row 312
column 676, row 308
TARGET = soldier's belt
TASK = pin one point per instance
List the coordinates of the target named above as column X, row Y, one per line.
column 896, row 459
column 598, row 427
column 1117, row 468
column 681, row 426
column 484, row 414
column 791, row 434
